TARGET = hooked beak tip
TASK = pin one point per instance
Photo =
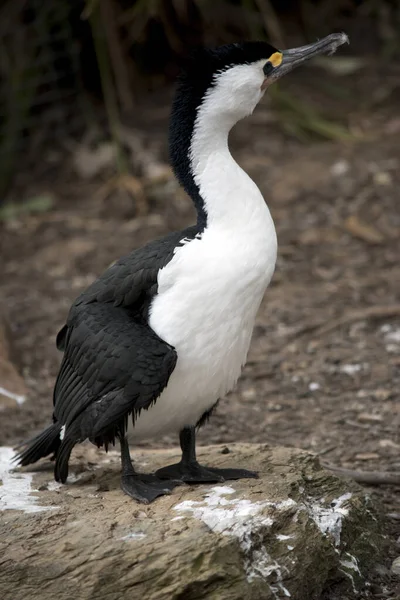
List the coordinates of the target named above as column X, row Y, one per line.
column 293, row 57
column 341, row 38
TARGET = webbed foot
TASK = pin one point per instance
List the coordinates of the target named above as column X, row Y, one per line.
column 146, row 488
column 193, row 472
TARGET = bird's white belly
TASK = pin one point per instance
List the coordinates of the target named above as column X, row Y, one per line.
column 206, row 306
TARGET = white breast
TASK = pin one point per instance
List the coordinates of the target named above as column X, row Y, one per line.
column 207, row 300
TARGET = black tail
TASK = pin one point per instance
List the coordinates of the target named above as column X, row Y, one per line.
column 62, row 459
column 47, row 442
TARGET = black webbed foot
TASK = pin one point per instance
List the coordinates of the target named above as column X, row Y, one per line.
column 140, row 486
column 146, row 488
column 195, row 473
column 188, row 469
column 234, row 473
column 189, row 473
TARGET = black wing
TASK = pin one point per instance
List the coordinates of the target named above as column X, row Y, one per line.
column 131, row 281
column 114, row 364
column 112, row 367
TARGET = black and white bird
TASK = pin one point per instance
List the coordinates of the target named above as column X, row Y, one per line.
column 151, row 345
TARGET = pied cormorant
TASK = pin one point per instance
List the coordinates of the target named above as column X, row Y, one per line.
column 150, row 346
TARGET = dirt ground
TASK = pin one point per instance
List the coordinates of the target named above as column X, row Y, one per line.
column 324, row 368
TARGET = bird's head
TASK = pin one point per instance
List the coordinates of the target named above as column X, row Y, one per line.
column 218, row 88
column 233, row 78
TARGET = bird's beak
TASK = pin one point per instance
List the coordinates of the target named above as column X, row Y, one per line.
column 296, row 56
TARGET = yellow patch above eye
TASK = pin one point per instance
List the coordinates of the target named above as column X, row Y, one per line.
column 275, row 59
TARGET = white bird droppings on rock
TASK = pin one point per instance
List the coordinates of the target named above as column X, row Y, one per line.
column 350, row 568
column 329, row 518
column 242, row 519
column 351, row 563
column 241, row 558
column 134, row 535
column 282, row 537
column 54, row 486
column 15, row 489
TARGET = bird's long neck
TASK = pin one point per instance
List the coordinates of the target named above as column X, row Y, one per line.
column 230, row 197
column 222, row 192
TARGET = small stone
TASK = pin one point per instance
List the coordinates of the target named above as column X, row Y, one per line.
column 249, row 394
column 225, row 450
column 351, row 369
column 396, row 566
column 340, row 168
column 382, row 178
column 314, row 386
column 382, row 394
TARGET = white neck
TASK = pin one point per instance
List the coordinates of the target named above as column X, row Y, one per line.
column 229, row 195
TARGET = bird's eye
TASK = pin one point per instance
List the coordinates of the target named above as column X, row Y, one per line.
column 268, row 68
column 274, row 61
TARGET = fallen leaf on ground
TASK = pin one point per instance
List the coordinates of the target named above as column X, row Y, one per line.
column 389, row 444
column 366, row 456
column 357, row 228
column 369, row 418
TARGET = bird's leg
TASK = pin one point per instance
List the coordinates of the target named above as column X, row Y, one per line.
column 190, row 471
column 140, row 486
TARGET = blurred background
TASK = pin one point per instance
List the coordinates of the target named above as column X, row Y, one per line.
column 85, row 93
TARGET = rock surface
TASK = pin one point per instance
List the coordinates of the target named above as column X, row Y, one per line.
column 290, row 534
column 12, row 387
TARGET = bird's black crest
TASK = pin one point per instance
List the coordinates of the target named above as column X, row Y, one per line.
column 196, row 78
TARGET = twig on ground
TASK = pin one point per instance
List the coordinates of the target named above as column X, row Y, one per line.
column 371, row 312
column 368, row 477
column 327, row 450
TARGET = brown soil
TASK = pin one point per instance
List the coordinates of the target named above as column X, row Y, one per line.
column 312, row 380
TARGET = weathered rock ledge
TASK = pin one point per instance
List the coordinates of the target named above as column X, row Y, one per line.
column 289, row 534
